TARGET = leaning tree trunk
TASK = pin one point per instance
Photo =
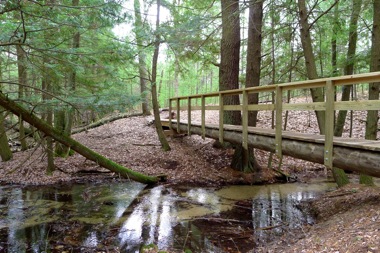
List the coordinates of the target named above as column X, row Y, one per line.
column 22, row 78
column 157, row 122
column 374, row 88
column 74, row 145
column 350, row 63
column 311, row 69
column 143, row 72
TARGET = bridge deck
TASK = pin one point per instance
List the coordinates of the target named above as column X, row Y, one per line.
column 352, row 154
column 310, row 138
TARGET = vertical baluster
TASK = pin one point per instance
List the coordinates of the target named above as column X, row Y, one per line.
column 178, row 114
column 189, row 116
column 329, row 124
column 245, row 129
column 203, row 117
column 221, row 119
column 278, row 108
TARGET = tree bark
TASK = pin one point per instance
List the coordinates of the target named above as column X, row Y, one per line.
column 311, row 69
column 229, row 71
column 143, row 72
column 5, row 151
column 157, row 122
column 253, row 68
column 22, row 78
column 74, row 145
column 350, row 60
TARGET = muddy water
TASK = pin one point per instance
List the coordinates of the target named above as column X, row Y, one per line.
column 122, row 217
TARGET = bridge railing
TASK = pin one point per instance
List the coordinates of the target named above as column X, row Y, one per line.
column 329, row 105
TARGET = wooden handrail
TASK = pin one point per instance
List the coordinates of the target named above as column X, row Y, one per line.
column 329, row 106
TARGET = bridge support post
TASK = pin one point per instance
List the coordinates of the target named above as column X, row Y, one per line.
column 278, row 108
column 188, row 116
column 178, row 113
column 221, row 119
column 170, row 114
column 203, row 117
column 329, row 124
column 245, row 130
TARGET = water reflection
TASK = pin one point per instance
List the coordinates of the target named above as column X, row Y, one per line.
column 125, row 216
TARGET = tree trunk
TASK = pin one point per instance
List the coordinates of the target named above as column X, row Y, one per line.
column 349, row 67
column 22, row 78
column 157, row 122
column 253, row 68
column 5, row 151
column 143, row 72
column 74, row 145
column 64, row 118
column 229, row 70
column 311, row 69
column 374, row 88
column 48, row 115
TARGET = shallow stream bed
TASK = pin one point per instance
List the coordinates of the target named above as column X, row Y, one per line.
column 124, row 216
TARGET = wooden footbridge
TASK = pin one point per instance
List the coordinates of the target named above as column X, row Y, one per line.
column 346, row 153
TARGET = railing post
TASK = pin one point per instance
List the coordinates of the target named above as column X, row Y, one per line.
column 245, row 129
column 329, row 124
column 188, row 116
column 170, row 114
column 178, row 114
column 278, row 108
column 203, row 117
column 221, row 119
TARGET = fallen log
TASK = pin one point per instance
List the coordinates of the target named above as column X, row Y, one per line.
column 104, row 121
column 362, row 161
column 48, row 130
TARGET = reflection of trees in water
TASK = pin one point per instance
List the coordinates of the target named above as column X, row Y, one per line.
column 277, row 212
column 150, row 222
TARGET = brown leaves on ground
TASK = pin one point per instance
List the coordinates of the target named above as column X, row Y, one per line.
column 348, row 220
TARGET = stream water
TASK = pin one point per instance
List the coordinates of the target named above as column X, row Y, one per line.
column 122, row 217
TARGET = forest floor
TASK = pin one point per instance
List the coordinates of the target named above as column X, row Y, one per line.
column 348, row 219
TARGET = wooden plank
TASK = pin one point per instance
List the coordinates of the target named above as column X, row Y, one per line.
column 188, row 115
column 221, row 119
column 232, row 107
column 203, row 117
column 278, row 106
column 208, row 108
column 354, row 143
column 338, row 81
column 178, row 113
column 329, row 124
column 245, row 130
column 359, row 160
column 261, row 107
column 317, row 106
column 170, row 113
column 358, row 105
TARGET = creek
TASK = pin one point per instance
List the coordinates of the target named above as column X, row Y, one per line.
column 124, row 216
